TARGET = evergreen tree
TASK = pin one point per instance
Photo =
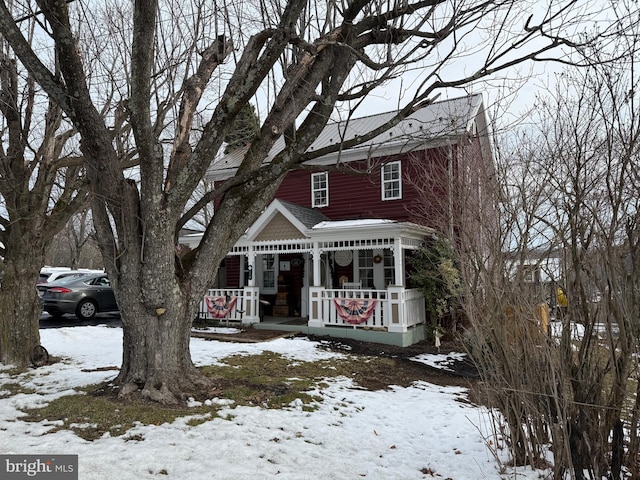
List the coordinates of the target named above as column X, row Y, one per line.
column 246, row 128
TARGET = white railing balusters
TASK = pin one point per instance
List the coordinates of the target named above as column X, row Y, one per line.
column 396, row 309
column 408, row 310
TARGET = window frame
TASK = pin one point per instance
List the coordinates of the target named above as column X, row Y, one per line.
column 322, row 189
column 269, row 273
column 389, row 268
column 531, row 273
column 394, row 169
column 366, row 269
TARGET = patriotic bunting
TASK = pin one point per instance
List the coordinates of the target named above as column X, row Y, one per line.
column 354, row 310
column 219, row 307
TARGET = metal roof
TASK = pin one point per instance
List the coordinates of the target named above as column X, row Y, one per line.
column 446, row 119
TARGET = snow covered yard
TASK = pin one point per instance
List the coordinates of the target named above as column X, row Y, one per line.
column 419, row 432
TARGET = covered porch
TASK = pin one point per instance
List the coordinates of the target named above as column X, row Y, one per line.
column 397, row 315
column 341, row 279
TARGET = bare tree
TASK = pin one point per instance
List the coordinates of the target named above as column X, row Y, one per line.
column 42, row 184
column 570, row 195
column 187, row 76
column 75, row 245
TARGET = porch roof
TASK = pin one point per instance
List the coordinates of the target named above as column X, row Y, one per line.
column 285, row 227
column 282, row 229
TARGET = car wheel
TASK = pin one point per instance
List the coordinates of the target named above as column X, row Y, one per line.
column 86, row 310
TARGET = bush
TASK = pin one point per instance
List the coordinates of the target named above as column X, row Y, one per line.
column 438, row 277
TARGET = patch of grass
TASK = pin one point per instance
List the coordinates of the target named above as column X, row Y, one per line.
column 268, row 380
column 10, row 389
column 199, row 420
column 90, row 416
column 14, row 371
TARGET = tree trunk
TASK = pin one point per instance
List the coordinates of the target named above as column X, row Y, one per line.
column 20, row 310
column 156, row 309
column 156, row 358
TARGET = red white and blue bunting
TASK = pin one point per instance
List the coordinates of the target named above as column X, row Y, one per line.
column 354, row 310
column 219, row 307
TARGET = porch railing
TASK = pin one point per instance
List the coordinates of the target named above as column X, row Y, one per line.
column 231, row 305
column 332, row 299
column 395, row 309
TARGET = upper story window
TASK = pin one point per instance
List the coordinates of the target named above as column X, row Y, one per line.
column 391, row 181
column 320, row 189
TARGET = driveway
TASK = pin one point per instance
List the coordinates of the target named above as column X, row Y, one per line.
column 111, row 319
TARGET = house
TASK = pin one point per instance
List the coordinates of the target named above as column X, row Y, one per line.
column 334, row 247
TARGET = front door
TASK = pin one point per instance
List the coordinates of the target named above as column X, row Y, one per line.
column 291, row 281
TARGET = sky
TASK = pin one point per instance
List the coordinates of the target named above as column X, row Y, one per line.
column 354, row 433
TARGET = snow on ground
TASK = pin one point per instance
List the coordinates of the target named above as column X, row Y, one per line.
column 420, row 432
column 440, row 360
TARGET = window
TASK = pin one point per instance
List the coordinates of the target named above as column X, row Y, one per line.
column 268, row 271
column 389, row 269
column 391, row 181
column 531, row 274
column 320, row 189
column 365, row 268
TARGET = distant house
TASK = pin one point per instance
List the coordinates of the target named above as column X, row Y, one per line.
column 334, row 247
column 539, row 272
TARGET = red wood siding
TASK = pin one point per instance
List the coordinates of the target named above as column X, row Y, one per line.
column 427, row 178
column 353, row 195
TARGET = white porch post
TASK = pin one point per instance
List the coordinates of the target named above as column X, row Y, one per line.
column 396, row 315
column 316, row 291
column 251, row 258
column 317, row 265
column 251, row 293
column 398, row 261
column 316, row 315
column 395, row 293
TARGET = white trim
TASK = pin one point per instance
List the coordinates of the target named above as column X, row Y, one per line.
column 330, row 235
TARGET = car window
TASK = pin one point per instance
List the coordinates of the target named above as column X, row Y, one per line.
column 101, row 281
column 65, row 275
column 68, row 279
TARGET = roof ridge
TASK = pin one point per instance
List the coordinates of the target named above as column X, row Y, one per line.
column 437, row 102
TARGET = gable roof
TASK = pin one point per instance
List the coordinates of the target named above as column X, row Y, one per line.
column 310, row 223
column 300, row 218
column 309, row 217
column 285, row 223
column 433, row 123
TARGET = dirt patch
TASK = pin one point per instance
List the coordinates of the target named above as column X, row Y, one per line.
column 401, row 369
column 405, row 371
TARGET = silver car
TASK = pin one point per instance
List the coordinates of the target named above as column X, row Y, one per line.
column 82, row 296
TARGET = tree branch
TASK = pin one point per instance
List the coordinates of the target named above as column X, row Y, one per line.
column 23, row 50
column 194, row 86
